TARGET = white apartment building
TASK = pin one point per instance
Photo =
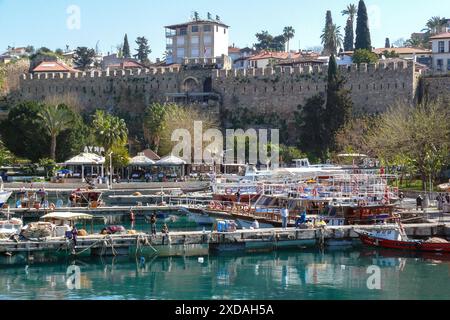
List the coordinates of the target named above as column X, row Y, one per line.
column 441, row 52
column 196, row 39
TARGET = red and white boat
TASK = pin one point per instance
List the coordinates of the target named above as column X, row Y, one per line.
column 396, row 238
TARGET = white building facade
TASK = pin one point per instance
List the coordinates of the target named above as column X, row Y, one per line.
column 196, row 39
column 441, row 52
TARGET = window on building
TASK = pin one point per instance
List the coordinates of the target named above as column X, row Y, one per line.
column 207, row 28
column 195, row 40
column 449, row 46
column 195, row 53
column 194, row 29
column 180, row 53
column 441, row 47
column 448, row 64
column 224, row 31
column 183, row 31
column 207, row 39
column 180, row 41
column 439, row 64
column 217, row 28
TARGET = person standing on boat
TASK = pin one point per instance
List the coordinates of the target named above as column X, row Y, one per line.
column 153, row 224
column 74, row 235
column 255, row 225
column 285, row 216
column 238, row 196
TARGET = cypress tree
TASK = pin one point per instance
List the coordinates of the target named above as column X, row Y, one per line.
column 349, row 36
column 326, row 36
column 387, row 44
column 362, row 28
column 126, row 48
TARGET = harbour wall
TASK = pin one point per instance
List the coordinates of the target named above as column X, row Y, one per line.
column 277, row 90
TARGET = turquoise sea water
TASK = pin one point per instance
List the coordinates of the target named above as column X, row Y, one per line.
column 289, row 275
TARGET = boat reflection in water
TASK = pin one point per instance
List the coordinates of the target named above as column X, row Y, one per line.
column 309, row 274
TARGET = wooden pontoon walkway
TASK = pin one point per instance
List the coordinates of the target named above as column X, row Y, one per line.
column 230, row 241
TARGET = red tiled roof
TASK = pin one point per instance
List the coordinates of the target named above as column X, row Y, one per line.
column 404, row 50
column 233, row 50
column 53, row 66
column 275, row 55
column 445, row 35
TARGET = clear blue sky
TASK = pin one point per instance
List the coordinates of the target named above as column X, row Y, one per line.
column 44, row 22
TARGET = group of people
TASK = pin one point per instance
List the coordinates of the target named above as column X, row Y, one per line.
column 442, row 201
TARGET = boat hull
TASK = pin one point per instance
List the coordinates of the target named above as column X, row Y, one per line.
column 405, row 245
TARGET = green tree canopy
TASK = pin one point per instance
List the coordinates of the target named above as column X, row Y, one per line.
column 55, row 120
column 24, row 133
column 126, row 48
column 331, row 36
column 109, row 131
column 418, row 133
column 363, row 40
column 364, row 56
column 143, row 50
column 312, row 132
column 349, row 36
column 268, row 42
column 84, row 57
column 288, row 33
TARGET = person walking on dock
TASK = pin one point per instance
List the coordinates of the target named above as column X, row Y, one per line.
column 153, row 224
column 285, row 216
column 419, row 203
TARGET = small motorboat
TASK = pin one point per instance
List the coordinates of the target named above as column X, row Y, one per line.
column 396, row 238
column 10, row 227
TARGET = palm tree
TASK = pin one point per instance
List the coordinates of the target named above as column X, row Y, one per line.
column 288, row 34
column 331, row 39
column 414, row 42
column 55, row 120
column 350, row 11
column 435, row 24
column 109, row 131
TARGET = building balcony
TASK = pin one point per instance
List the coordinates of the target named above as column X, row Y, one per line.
column 171, row 33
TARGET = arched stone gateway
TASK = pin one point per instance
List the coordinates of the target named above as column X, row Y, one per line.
column 191, row 84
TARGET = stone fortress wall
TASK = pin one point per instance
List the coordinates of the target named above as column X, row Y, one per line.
column 373, row 87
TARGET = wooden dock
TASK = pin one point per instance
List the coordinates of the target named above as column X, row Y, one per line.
column 179, row 243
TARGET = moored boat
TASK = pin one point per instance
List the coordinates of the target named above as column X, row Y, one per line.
column 396, row 238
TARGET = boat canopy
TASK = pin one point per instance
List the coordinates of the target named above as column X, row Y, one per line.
column 67, row 216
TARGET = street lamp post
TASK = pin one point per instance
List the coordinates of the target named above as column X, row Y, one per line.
column 110, row 171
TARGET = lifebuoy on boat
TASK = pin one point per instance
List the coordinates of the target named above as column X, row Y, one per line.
column 229, row 191
column 246, row 209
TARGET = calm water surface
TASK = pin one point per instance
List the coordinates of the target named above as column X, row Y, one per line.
column 289, row 275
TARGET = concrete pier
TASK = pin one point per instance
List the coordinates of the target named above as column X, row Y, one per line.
column 178, row 243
